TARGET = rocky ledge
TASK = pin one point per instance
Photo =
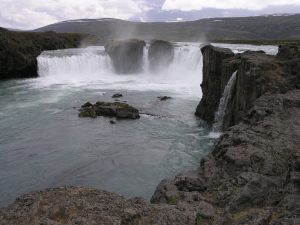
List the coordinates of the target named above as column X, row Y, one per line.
column 116, row 109
column 250, row 176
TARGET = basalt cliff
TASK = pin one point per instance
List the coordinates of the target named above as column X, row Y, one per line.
column 250, row 176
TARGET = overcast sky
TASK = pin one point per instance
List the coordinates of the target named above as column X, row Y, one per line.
column 31, row 14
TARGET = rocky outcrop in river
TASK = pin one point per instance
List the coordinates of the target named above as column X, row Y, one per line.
column 19, row 50
column 116, row 109
column 160, row 55
column 127, row 55
column 250, row 176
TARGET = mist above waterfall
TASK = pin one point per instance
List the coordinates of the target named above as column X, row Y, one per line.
column 93, row 64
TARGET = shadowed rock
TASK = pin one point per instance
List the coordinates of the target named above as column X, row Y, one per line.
column 118, row 95
column 81, row 205
column 212, row 83
column 160, row 55
column 117, row 109
column 126, row 56
column 258, row 74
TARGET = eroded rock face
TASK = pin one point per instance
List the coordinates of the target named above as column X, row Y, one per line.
column 252, row 170
column 160, row 55
column 257, row 74
column 126, row 56
column 214, row 80
column 251, row 175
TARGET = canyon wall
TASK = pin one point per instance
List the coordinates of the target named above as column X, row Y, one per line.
column 257, row 74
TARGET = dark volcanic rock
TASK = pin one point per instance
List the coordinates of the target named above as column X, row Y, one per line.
column 160, row 55
column 118, row 95
column 79, row 205
column 127, row 56
column 213, row 83
column 19, row 50
column 253, row 169
column 257, row 74
column 164, row 98
column 117, row 109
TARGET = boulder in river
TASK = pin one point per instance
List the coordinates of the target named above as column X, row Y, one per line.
column 116, row 109
column 160, row 55
column 118, row 95
column 126, row 55
column 164, row 98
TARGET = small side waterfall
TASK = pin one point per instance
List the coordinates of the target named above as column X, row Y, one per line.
column 221, row 112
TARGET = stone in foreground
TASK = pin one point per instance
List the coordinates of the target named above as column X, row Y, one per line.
column 82, row 205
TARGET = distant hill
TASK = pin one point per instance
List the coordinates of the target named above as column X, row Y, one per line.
column 269, row 27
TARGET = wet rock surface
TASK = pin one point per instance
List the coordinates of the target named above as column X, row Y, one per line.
column 160, row 55
column 126, row 56
column 212, row 83
column 257, row 74
column 118, row 95
column 116, row 109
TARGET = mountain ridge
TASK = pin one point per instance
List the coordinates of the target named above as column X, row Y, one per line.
column 267, row 27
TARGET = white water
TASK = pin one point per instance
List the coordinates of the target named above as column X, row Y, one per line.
column 221, row 112
column 93, row 65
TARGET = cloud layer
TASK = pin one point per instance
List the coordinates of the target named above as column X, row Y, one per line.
column 188, row 5
column 31, row 14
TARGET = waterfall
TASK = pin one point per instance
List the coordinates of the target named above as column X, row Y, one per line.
column 221, row 112
column 73, row 62
column 94, row 60
column 92, row 65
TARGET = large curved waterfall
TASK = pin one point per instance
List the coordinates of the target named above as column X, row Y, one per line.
column 94, row 64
